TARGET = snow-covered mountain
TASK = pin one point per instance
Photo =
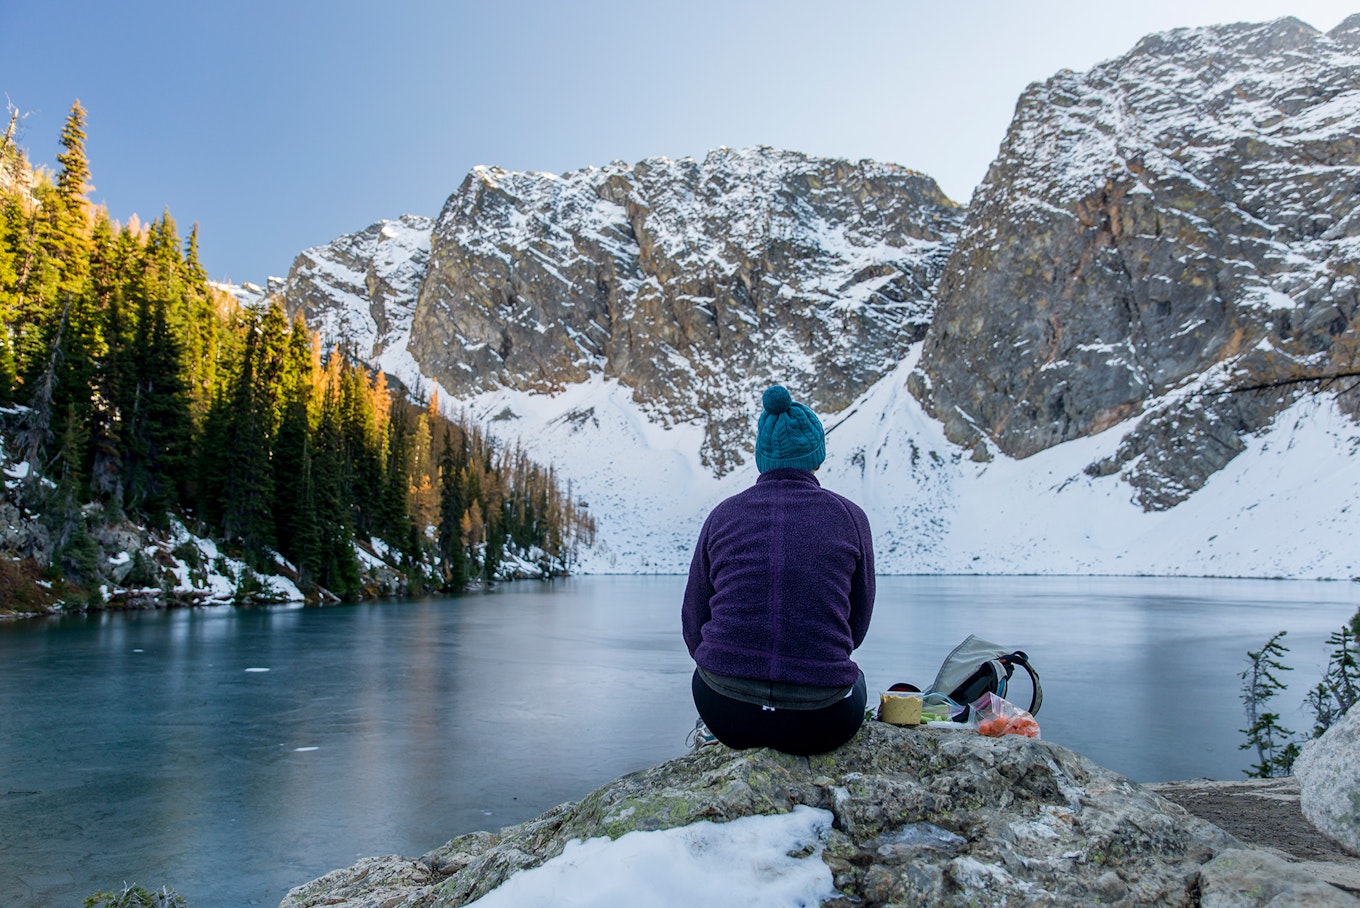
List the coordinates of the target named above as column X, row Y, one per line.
column 1040, row 386
column 1287, row 506
column 1154, row 236
column 694, row 283
column 362, row 291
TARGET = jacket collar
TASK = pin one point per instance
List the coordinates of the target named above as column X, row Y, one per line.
column 788, row 474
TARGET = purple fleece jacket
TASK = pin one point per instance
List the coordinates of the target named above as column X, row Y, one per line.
column 781, row 587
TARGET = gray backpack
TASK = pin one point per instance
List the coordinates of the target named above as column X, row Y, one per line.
column 976, row 667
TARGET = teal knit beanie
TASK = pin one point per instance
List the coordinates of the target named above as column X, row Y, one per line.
column 788, row 434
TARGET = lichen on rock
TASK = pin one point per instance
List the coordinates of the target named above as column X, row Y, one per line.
column 922, row 816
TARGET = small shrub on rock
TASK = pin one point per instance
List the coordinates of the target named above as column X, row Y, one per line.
column 136, row 897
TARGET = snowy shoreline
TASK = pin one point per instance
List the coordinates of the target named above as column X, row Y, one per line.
column 147, row 600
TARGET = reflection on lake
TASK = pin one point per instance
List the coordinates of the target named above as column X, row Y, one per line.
column 233, row 753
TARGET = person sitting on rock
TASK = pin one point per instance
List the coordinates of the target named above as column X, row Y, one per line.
column 780, row 592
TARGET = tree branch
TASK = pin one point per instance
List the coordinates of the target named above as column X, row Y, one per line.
column 1322, row 378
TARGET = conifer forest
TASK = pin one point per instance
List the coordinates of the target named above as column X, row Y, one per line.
column 135, row 392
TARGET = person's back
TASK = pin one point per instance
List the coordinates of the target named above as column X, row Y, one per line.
column 780, row 593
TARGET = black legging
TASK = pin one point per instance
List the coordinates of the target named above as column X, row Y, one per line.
column 740, row 725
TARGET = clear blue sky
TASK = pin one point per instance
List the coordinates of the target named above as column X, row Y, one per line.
column 280, row 125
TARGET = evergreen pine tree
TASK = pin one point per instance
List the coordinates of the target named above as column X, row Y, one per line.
column 82, row 347
column 1275, row 754
column 30, row 303
column 10, row 219
column 12, row 228
column 74, row 181
column 213, row 467
column 62, row 511
column 394, row 519
column 339, row 568
column 116, row 383
column 363, row 448
column 194, row 272
column 162, row 431
column 7, row 373
column 285, row 379
column 452, row 554
column 57, row 310
column 203, row 333
column 294, row 509
column 248, row 492
column 1339, row 688
column 68, row 218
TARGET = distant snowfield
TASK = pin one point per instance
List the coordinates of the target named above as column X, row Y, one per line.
column 1288, row 506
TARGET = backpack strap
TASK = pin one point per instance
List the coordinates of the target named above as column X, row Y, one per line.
column 1019, row 658
column 989, row 677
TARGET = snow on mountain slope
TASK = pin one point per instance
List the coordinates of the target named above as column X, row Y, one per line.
column 1157, row 237
column 1288, row 506
column 661, row 274
column 643, row 483
column 1186, row 210
column 362, row 290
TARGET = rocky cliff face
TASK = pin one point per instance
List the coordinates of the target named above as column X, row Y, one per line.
column 694, row 283
column 1162, row 245
column 361, row 289
column 1170, row 226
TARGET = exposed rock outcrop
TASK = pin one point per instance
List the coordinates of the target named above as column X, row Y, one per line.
column 692, row 282
column 1266, row 814
column 1329, row 781
column 925, row 816
column 1170, row 225
column 1163, row 244
column 104, row 560
column 360, row 291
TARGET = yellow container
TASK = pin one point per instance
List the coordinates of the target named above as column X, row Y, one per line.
column 900, row 707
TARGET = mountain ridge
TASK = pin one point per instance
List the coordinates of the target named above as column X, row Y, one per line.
column 1188, row 229
column 663, row 272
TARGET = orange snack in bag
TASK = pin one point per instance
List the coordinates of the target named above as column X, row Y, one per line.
column 994, row 727
column 997, row 716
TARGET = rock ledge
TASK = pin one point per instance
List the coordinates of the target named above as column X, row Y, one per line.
column 1019, row 821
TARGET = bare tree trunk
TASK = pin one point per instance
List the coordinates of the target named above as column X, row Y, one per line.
column 9, row 132
column 9, row 169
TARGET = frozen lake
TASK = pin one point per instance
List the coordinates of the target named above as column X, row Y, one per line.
column 234, row 753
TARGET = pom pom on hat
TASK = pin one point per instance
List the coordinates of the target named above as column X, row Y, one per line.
column 777, row 399
column 789, row 435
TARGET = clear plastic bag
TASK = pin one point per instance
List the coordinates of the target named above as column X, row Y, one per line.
column 995, row 716
column 939, row 708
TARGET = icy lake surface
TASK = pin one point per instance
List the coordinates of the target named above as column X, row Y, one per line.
column 234, row 753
